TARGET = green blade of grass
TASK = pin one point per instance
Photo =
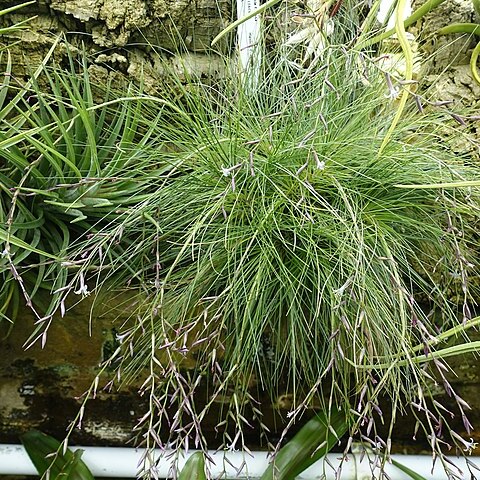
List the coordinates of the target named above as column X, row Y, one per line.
column 45, row 453
column 5, row 11
column 268, row 4
column 408, row 471
column 194, row 468
column 311, row 443
column 426, row 186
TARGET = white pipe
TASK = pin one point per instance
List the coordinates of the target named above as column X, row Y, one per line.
column 123, row 463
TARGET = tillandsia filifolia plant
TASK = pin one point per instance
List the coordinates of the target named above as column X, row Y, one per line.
column 286, row 236
column 283, row 241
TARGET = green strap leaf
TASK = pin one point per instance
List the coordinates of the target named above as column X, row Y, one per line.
column 408, row 471
column 472, row 28
column 194, row 469
column 46, row 454
column 12, row 239
column 311, row 443
column 473, row 63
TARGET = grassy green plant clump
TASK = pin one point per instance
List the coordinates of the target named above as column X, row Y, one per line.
column 284, row 245
column 269, row 234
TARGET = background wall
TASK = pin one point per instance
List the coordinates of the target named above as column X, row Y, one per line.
column 446, row 64
column 125, row 37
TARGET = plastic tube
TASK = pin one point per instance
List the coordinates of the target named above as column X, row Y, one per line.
column 124, row 463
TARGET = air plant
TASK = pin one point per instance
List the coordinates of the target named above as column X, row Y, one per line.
column 69, row 166
column 288, row 236
column 286, row 219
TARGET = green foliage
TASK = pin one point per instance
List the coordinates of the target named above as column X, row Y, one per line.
column 276, row 224
column 419, row 13
column 17, row 26
column 314, row 440
column 472, row 29
column 49, row 457
column 280, row 237
column 408, row 471
column 311, row 443
column 284, row 243
column 69, row 166
column 194, row 469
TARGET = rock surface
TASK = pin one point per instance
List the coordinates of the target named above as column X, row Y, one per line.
column 127, row 36
column 446, row 67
